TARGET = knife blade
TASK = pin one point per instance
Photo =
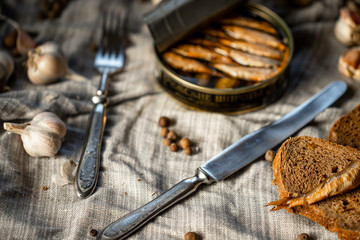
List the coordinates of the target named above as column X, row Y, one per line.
column 236, row 156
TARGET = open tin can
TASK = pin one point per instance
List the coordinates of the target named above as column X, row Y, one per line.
column 246, row 97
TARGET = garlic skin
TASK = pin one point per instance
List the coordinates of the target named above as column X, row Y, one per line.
column 66, row 175
column 347, row 27
column 46, row 64
column 42, row 136
column 6, row 67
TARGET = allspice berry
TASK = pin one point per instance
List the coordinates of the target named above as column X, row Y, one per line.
column 164, row 121
column 190, row 236
column 187, row 151
column 270, row 155
column 184, row 143
column 166, row 142
column 173, row 147
column 164, row 131
column 303, row 236
column 172, row 135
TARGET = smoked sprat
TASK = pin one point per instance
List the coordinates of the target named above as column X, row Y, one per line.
column 243, row 50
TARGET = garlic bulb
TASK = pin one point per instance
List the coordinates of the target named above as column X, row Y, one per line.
column 347, row 27
column 42, row 136
column 47, row 64
column 6, row 67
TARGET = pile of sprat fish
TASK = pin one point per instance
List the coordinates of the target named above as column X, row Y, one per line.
column 231, row 52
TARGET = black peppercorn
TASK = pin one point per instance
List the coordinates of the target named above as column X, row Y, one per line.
column 93, row 232
column 164, row 121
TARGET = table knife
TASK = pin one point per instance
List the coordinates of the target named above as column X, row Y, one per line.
column 236, row 156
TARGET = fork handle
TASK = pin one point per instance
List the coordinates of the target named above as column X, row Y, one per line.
column 89, row 164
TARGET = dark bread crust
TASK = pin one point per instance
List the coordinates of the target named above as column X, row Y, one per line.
column 346, row 130
column 302, row 163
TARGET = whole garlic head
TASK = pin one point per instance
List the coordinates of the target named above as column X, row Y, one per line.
column 347, row 27
column 46, row 64
column 42, row 136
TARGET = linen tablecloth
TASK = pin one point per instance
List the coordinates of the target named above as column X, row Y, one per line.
column 135, row 166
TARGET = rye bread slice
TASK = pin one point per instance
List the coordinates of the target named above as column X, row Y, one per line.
column 304, row 162
column 346, row 130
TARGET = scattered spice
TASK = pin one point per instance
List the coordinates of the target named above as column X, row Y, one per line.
column 139, row 180
column 172, row 135
column 303, row 236
column 93, row 232
column 190, row 236
column 184, row 143
column 270, row 155
column 45, row 188
column 188, row 151
column 164, row 121
column 164, row 132
column 166, row 142
column 173, row 147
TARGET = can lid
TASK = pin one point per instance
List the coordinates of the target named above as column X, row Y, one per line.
column 171, row 20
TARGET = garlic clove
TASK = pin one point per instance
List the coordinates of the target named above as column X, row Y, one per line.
column 42, row 136
column 24, row 43
column 349, row 63
column 67, row 171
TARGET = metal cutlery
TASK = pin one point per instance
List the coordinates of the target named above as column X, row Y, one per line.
column 233, row 158
column 109, row 60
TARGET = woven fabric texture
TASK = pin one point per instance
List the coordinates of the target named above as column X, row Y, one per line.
column 135, row 166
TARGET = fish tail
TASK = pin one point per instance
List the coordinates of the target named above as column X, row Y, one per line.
column 279, row 204
column 288, row 202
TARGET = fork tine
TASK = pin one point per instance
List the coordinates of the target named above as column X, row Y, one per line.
column 103, row 34
column 115, row 45
column 111, row 53
column 111, row 38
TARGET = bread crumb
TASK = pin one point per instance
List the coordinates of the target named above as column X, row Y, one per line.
column 270, row 155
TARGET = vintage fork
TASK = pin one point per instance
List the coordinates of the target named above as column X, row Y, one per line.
column 109, row 60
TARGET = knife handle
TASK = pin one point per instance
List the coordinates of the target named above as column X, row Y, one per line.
column 126, row 225
column 89, row 165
